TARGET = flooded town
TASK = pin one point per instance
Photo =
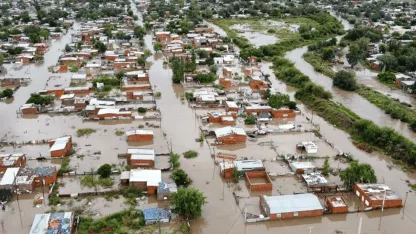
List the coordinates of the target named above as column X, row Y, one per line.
column 228, row 117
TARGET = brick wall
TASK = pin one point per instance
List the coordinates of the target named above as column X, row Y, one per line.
column 301, row 214
column 336, row 210
column 267, row 186
column 141, row 163
column 377, row 204
column 283, row 114
column 232, row 139
column 140, row 137
column 30, row 111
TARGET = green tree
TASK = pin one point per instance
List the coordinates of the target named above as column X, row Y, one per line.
column 44, row 33
column 345, row 80
column 104, row 171
column 389, row 61
column 180, row 177
column 354, row 55
column 8, row 93
column 188, row 202
column 40, row 100
column 174, row 160
column 358, row 173
column 213, row 69
column 100, row 46
column 387, row 77
column 278, row 100
column 68, row 48
column 326, row 168
column 328, row 53
column 1, row 59
column 157, row 46
column 178, row 71
column 119, row 74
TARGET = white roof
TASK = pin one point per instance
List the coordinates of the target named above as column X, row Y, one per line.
column 140, row 151
column 152, row 177
column 257, row 107
column 220, row 132
column 207, row 97
column 59, row 144
column 67, row 96
column 79, row 76
column 292, row 203
column 139, row 132
column 143, row 157
column 93, row 65
column 9, row 176
column 96, row 102
column 227, row 118
column 246, row 165
column 301, row 165
column 108, row 111
column 231, row 104
column 136, row 73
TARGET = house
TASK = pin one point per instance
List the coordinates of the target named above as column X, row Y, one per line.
column 46, row 175
column 230, row 135
column 9, row 177
column 113, row 113
column 162, row 36
column 60, row 147
column 337, row 204
column 62, row 222
column 145, row 180
column 226, row 169
column 12, row 160
column 283, row 113
column 302, row 167
column 256, row 109
column 257, row 84
column 24, row 58
column 231, row 106
column 29, row 109
column 373, row 195
column 165, row 190
column 139, row 135
column 258, row 181
column 249, row 165
column 25, row 180
column 291, row 206
column 78, row 78
column 308, row 146
column 142, row 158
column 314, row 179
column 155, row 215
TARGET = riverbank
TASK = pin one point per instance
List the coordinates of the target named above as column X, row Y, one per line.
column 366, row 135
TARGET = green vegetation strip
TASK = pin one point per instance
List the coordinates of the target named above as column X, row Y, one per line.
column 392, row 107
column 363, row 131
column 320, row 65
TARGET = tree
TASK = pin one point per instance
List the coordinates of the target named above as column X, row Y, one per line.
column 1, row 59
column 157, row 46
column 345, row 80
column 40, row 100
column 328, row 53
column 180, row 178
column 44, row 33
column 387, row 77
column 188, row 202
column 68, row 48
column 326, row 168
column 104, row 171
column 213, row 69
column 389, row 61
column 7, row 93
column 278, row 100
column 358, row 173
column 100, row 46
column 178, row 71
column 174, row 160
column 354, row 55
column 119, row 74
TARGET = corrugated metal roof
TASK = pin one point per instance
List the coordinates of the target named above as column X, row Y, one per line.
column 220, row 132
column 9, row 176
column 42, row 223
column 155, row 214
column 139, row 132
column 292, row 203
column 246, row 165
column 152, row 177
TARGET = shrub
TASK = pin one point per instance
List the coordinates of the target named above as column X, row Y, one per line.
column 345, row 80
column 119, row 132
column 250, row 120
column 190, row 154
column 180, row 178
column 104, row 171
column 174, row 160
column 85, row 131
column 64, row 166
column 7, row 93
column 40, row 100
column 142, row 110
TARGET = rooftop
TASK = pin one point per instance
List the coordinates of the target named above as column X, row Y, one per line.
column 377, row 191
column 152, row 177
column 220, row 132
column 51, row 223
column 156, row 214
column 292, row 203
column 139, row 132
column 247, row 165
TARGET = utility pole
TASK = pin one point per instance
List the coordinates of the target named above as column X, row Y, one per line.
column 384, row 199
column 17, row 199
column 360, row 224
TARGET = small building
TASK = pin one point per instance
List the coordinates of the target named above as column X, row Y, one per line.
column 78, row 78
column 139, row 135
column 302, row 167
column 308, row 146
column 372, row 195
column 256, row 109
column 62, row 222
column 29, row 109
column 12, row 160
column 145, row 180
column 46, row 175
column 8, row 178
column 231, row 106
column 258, row 181
column 283, row 113
column 249, row 165
column 113, row 113
column 291, row 206
column 60, row 147
column 165, row 190
column 226, row 169
column 154, row 215
column 142, row 158
column 314, row 179
column 230, row 135
column 337, row 204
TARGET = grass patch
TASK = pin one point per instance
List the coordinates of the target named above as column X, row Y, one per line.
column 319, row 64
column 119, row 132
column 64, row 166
column 92, row 181
column 190, row 154
column 85, row 131
column 390, row 106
